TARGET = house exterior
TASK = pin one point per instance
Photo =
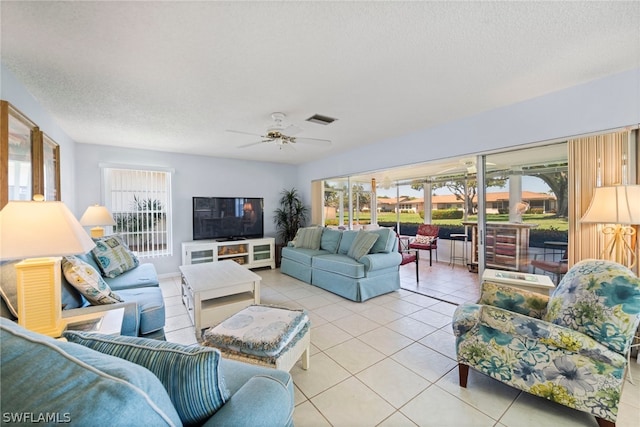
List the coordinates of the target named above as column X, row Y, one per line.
column 497, row 202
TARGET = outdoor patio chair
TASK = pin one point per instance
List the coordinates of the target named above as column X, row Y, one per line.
column 426, row 240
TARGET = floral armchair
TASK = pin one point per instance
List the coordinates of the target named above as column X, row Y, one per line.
column 569, row 347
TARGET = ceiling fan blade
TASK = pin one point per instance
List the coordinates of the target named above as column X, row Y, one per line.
column 245, row 133
column 252, row 144
column 314, row 140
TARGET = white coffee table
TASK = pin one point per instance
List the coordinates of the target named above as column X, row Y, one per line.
column 213, row 291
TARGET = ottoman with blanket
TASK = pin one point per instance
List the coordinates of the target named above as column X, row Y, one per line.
column 264, row 335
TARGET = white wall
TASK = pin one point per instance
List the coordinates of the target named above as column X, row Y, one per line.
column 194, row 176
column 16, row 94
column 599, row 105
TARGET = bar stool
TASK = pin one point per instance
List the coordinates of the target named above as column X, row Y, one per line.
column 453, row 257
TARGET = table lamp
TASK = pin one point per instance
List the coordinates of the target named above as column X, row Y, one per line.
column 618, row 206
column 43, row 232
column 97, row 216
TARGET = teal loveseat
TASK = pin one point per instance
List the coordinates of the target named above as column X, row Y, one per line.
column 328, row 258
column 99, row 380
column 139, row 289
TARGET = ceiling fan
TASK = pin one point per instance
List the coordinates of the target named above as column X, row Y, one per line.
column 281, row 135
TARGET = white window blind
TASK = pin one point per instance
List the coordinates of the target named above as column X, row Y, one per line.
column 140, row 201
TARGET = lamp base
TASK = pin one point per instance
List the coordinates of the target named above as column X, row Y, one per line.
column 97, row 232
column 39, row 300
column 619, row 249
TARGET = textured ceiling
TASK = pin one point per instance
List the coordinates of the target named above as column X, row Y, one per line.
column 174, row 76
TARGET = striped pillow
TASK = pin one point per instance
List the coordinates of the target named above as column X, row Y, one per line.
column 309, row 238
column 361, row 245
column 190, row 374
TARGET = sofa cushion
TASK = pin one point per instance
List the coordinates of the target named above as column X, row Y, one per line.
column 151, row 309
column 386, row 241
column 308, row 238
column 113, row 255
column 346, row 240
column 190, row 374
column 88, row 281
column 143, row 276
column 41, row 375
column 339, row 264
column 330, row 240
column 302, row 256
column 361, row 245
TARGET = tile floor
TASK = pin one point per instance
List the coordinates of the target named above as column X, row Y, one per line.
column 390, row 361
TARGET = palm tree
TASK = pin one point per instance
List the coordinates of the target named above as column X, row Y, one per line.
column 290, row 216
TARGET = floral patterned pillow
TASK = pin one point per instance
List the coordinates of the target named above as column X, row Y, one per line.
column 88, row 281
column 600, row 299
column 424, row 240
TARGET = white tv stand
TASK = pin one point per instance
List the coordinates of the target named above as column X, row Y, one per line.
column 252, row 253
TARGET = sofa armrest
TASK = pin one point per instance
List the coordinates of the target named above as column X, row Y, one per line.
column 381, row 260
column 262, row 401
column 531, row 304
column 465, row 318
column 130, row 321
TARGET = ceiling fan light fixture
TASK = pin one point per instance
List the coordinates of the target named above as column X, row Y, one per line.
column 321, row 120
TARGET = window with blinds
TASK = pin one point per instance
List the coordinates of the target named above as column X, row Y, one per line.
column 140, row 201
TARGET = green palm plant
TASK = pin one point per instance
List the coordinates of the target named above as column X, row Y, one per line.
column 290, row 216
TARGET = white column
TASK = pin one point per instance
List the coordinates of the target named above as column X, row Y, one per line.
column 428, row 205
column 515, row 195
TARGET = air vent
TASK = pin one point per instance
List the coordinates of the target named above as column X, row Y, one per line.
column 321, row 120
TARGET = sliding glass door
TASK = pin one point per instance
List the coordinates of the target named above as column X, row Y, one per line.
column 523, row 209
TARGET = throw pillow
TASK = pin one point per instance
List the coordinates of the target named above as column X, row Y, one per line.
column 309, row 238
column 361, row 245
column 8, row 286
column 424, row 240
column 346, row 241
column 330, row 240
column 88, row 281
column 386, row 242
column 113, row 256
column 190, row 374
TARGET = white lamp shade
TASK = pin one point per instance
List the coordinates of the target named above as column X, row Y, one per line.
column 97, row 215
column 40, row 229
column 614, row 205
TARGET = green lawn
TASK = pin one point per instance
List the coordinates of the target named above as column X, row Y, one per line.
column 544, row 221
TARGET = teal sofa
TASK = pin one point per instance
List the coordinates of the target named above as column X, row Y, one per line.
column 327, row 261
column 139, row 289
column 99, row 380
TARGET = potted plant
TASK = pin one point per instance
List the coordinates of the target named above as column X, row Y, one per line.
column 289, row 217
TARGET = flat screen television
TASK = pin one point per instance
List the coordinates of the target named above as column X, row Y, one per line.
column 228, row 218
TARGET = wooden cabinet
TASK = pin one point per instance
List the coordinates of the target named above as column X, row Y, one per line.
column 252, row 253
column 506, row 245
